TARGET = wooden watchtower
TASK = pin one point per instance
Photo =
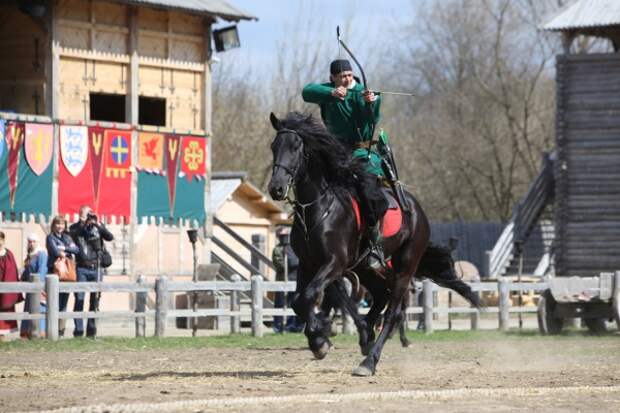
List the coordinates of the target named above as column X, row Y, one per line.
column 587, row 171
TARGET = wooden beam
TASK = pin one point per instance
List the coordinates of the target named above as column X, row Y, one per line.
column 93, row 23
column 52, row 65
column 131, row 105
column 207, row 111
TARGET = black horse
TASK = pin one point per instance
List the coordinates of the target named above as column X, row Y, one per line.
column 321, row 174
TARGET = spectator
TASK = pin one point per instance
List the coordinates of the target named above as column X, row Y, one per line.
column 8, row 273
column 283, row 251
column 35, row 263
column 89, row 234
column 60, row 245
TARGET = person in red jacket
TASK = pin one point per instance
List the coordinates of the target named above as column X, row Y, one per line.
column 8, row 273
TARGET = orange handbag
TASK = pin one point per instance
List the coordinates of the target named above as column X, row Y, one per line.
column 65, row 269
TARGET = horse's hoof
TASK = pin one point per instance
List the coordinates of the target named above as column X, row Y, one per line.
column 362, row 371
column 322, row 352
column 406, row 344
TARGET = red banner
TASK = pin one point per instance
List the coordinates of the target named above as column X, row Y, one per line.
column 105, row 181
column 172, row 162
column 95, row 154
column 14, row 141
column 193, row 157
column 115, row 179
column 75, row 173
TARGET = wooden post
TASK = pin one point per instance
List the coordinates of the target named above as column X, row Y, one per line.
column 347, row 320
column 235, row 320
column 141, row 308
column 475, row 317
column 259, row 242
column 504, row 304
column 257, row 305
column 161, row 309
column 427, row 291
column 207, row 125
column 51, row 289
column 486, row 263
column 35, row 307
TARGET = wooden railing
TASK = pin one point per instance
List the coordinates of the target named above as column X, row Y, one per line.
column 524, row 217
column 257, row 287
column 254, row 252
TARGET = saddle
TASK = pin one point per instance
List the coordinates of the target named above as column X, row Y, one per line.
column 391, row 221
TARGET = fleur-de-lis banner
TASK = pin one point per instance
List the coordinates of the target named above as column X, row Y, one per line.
column 176, row 195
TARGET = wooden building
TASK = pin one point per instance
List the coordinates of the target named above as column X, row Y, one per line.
column 587, row 170
column 136, row 65
column 137, row 62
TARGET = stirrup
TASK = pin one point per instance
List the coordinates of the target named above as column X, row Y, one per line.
column 376, row 259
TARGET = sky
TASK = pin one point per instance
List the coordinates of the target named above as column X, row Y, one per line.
column 361, row 19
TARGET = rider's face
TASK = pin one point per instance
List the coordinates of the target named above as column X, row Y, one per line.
column 344, row 79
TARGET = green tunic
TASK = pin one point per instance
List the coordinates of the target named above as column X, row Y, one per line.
column 347, row 119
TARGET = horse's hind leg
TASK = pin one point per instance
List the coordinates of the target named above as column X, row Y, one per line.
column 392, row 316
column 379, row 300
column 402, row 325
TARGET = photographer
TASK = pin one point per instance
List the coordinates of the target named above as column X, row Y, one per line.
column 89, row 235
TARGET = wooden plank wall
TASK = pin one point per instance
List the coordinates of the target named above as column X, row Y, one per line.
column 474, row 239
column 94, row 57
column 588, row 171
column 23, row 45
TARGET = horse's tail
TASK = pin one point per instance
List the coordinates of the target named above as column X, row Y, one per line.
column 438, row 266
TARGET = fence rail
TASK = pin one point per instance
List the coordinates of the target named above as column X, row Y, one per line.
column 257, row 287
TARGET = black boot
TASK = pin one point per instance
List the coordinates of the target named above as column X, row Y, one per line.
column 376, row 259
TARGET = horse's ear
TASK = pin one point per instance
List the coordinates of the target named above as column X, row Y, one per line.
column 275, row 122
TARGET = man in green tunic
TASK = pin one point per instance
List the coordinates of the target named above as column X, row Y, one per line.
column 350, row 113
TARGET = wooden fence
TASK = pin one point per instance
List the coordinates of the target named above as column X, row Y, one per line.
column 164, row 289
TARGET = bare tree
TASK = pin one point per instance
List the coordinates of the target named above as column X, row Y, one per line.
column 486, row 110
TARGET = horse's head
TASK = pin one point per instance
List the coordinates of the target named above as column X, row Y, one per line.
column 288, row 159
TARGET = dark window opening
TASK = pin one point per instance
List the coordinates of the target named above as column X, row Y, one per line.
column 107, row 107
column 152, row 111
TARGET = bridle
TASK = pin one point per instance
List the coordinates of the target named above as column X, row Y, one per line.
column 298, row 207
column 292, row 173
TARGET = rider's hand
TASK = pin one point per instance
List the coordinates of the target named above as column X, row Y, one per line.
column 340, row 92
column 369, row 96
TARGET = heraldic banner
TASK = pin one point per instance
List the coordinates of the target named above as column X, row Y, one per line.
column 26, row 168
column 95, row 170
column 179, row 193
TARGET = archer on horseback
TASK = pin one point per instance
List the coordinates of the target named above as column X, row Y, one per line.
column 350, row 113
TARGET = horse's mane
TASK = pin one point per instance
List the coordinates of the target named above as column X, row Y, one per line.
column 326, row 152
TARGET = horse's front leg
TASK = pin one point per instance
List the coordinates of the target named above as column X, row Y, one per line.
column 391, row 317
column 306, row 304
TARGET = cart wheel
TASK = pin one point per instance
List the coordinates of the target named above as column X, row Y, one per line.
column 616, row 308
column 595, row 325
column 547, row 323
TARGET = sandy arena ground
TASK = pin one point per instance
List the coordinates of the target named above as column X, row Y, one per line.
column 539, row 374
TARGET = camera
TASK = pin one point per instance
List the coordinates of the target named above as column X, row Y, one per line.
column 93, row 237
column 91, row 217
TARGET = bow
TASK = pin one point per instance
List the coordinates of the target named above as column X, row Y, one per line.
column 370, row 106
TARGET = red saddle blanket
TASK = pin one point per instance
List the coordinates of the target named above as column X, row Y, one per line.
column 391, row 221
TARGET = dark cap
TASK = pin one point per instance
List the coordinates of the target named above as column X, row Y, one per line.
column 339, row 66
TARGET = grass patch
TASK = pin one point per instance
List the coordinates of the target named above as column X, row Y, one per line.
column 272, row 341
